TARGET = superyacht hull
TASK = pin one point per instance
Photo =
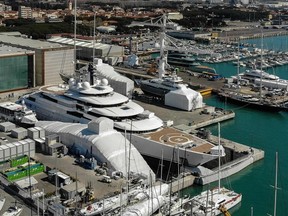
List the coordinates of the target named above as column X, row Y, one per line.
column 57, row 111
column 159, row 150
column 151, row 90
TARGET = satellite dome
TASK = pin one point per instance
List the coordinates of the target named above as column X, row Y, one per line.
column 86, row 85
column 157, row 45
column 79, row 85
column 71, row 81
column 104, row 82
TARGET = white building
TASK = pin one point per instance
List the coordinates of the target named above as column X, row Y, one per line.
column 24, row 12
column 50, row 58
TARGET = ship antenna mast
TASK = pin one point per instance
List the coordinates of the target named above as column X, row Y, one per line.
column 261, row 68
column 75, row 26
column 162, row 59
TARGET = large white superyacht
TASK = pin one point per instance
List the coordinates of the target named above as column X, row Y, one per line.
column 83, row 101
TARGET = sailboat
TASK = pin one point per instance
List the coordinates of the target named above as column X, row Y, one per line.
column 216, row 201
column 260, row 102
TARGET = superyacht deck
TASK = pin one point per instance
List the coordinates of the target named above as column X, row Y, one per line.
column 174, row 137
column 174, row 145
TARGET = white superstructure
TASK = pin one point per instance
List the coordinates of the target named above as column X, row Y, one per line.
column 82, row 102
column 121, row 84
column 103, row 142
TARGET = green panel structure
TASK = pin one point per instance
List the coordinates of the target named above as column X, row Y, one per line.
column 14, row 162
column 23, row 172
column 16, row 174
column 36, row 168
column 13, row 72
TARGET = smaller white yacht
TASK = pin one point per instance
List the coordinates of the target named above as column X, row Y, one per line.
column 256, row 73
column 213, row 202
column 17, row 113
column 13, row 211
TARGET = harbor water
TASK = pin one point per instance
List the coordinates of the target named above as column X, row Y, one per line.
column 259, row 129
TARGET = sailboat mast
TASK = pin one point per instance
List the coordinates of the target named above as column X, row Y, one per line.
column 219, row 161
column 162, row 44
column 238, row 65
column 276, row 184
column 94, row 26
column 261, row 67
column 75, row 26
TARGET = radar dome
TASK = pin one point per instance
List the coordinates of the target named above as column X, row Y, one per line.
column 157, row 45
column 86, row 85
column 104, row 82
column 71, row 81
column 79, row 85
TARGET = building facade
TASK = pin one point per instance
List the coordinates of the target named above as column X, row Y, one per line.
column 17, row 68
column 24, row 12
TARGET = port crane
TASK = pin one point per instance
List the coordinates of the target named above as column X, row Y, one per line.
column 171, row 43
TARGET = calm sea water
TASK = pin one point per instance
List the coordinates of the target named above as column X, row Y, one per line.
column 263, row 130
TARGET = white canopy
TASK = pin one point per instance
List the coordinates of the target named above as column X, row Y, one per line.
column 105, row 144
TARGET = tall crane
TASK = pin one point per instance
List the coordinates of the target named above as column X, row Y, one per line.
column 162, row 23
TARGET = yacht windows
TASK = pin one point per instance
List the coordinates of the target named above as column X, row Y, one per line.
column 79, row 115
column 31, row 98
column 49, row 98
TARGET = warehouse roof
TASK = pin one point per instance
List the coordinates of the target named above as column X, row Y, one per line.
column 27, row 42
column 9, row 50
column 80, row 43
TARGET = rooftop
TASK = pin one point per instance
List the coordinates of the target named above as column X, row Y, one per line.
column 27, row 42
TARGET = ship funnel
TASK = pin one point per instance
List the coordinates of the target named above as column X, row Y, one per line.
column 91, row 73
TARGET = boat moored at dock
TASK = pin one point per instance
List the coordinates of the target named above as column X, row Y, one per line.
column 17, row 113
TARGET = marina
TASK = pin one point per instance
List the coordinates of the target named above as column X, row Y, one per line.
column 107, row 147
